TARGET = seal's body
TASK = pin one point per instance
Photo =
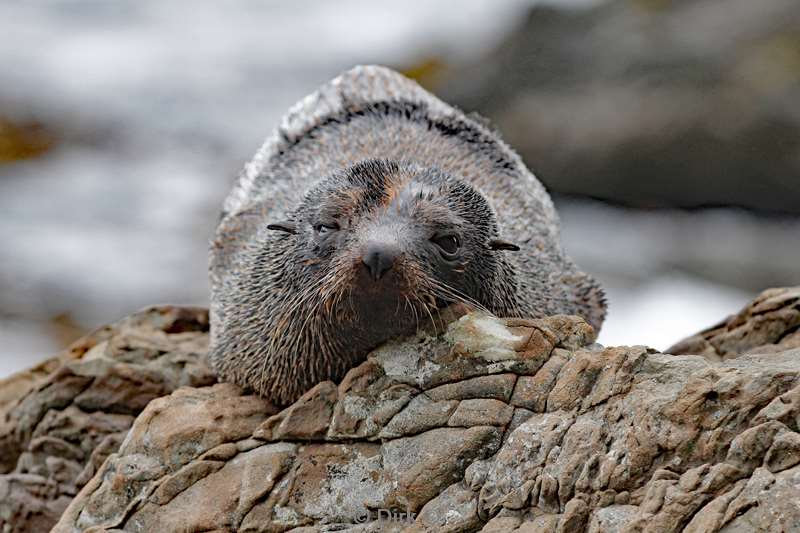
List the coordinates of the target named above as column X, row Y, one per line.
column 372, row 207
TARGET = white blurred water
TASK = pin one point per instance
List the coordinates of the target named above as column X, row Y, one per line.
column 158, row 104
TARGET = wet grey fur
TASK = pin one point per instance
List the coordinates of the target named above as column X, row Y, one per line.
column 369, row 112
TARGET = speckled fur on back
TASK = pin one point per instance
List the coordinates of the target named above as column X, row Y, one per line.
column 373, row 112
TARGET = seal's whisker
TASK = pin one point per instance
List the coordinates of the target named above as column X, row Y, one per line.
column 312, row 311
column 431, row 292
column 414, row 311
column 441, row 320
column 296, row 302
column 273, row 353
column 455, row 298
column 295, row 305
column 447, row 290
column 311, row 330
column 426, row 306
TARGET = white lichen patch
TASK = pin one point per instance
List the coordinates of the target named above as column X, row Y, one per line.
column 484, row 336
column 285, row 516
column 501, row 367
column 356, row 406
column 359, row 408
column 349, row 489
column 405, row 360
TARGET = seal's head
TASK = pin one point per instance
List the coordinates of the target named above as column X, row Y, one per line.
column 370, row 253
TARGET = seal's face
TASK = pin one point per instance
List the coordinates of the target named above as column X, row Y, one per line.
column 392, row 244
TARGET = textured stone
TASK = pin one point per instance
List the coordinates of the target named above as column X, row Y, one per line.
column 770, row 324
column 308, row 418
column 531, row 392
column 368, row 400
column 66, row 416
column 532, row 432
column 611, row 519
column 175, row 446
column 481, row 411
column 421, row 414
column 498, row 387
column 427, row 463
column 452, row 511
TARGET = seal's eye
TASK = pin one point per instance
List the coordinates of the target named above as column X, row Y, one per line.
column 449, row 244
column 324, row 229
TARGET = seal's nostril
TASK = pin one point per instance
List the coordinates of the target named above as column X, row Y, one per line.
column 379, row 260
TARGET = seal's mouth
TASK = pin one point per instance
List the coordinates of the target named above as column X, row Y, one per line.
column 391, row 283
column 400, row 300
column 403, row 300
column 393, row 301
column 385, row 299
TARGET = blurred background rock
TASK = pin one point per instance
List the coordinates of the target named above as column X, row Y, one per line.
column 668, row 132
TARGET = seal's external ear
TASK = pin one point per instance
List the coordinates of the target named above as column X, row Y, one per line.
column 497, row 244
column 284, row 225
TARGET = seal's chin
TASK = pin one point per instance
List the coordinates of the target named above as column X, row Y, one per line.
column 384, row 307
column 378, row 297
column 392, row 294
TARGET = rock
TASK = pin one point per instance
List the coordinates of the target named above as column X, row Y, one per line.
column 420, row 415
column 698, row 96
column 454, row 510
column 492, row 425
column 484, row 411
column 195, row 444
column 498, row 387
column 62, row 419
column 409, row 446
column 308, row 418
column 769, row 324
column 611, row 519
column 531, row 392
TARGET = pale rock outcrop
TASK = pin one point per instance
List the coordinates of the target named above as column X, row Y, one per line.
column 770, row 324
column 60, row 420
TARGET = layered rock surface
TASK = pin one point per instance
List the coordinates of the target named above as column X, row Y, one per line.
column 770, row 324
column 495, row 425
column 60, row 420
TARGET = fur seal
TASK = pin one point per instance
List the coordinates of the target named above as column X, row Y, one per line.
column 373, row 206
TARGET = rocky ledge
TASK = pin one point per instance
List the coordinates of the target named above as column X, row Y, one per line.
column 493, row 425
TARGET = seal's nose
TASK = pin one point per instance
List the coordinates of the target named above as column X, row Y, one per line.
column 379, row 259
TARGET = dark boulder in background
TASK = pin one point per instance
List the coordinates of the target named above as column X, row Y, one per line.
column 651, row 103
